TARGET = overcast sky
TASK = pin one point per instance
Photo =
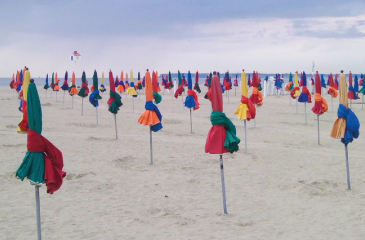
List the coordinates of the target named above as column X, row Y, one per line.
column 204, row 35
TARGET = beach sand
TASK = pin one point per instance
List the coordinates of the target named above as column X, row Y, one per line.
column 285, row 187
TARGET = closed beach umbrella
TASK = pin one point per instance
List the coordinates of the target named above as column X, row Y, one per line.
column 73, row 90
column 191, row 100
column 347, row 124
column 246, row 110
column 114, row 101
column 320, row 104
column 121, row 86
column 56, row 84
column 84, row 91
column 102, row 87
column 332, row 88
column 95, row 96
column 222, row 135
column 46, row 86
column 19, row 81
column 290, row 85
column 65, row 86
column 23, row 125
column 256, row 97
column 155, row 88
column 132, row 90
column 305, row 96
column 151, row 116
column 43, row 162
column 196, row 86
column 180, row 88
column 52, row 83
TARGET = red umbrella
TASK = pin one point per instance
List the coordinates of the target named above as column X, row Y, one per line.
column 222, row 136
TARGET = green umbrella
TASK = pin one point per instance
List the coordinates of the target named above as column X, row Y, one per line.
column 43, row 162
column 84, row 91
column 95, row 96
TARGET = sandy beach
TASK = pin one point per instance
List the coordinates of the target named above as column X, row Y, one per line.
column 285, row 187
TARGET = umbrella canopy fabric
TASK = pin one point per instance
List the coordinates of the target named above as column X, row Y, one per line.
column 320, row 104
column 114, row 101
column 191, row 100
column 170, row 85
column 12, row 82
column 84, row 91
column 278, row 82
column 155, row 88
column 362, row 83
column 139, row 82
column 151, row 116
column 46, row 86
column 102, row 87
column 305, row 96
column 347, row 124
column 323, row 82
column 121, row 86
column 356, row 84
column 73, row 90
column 43, row 162
column 226, row 82
column 235, row 82
column 222, row 135
column 332, row 88
column 246, row 109
column 196, row 86
column 19, row 81
column 256, row 96
column 180, row 88
column 95, row 96
column 23, row 125
column 56, row 86
column 132, row 90
column 290, row 85
column 126, row 85
column 52, row 81
column 352, row 94
column 65, row 84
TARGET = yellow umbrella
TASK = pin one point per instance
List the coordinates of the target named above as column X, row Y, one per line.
column 339, row 127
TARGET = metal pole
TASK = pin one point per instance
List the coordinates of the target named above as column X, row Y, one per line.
column 51, row 93
column 290, row 98
column 191, row 123
column 348, row 169
column 72, row 101
column 97, row 120
column 115, row 121
column 245, row 135
column 133, row 103
column 151, row 145
column 56, row 96
column 362, row 104
column 305, row 111
column 46, row 93
column 297, row 104
column 63, row 101
column 38, row 208
column 332, row 103
column 223, row 186
column 82, row 106
column 318, row 130
column 228, row 96
column 254, row 122
column 351, row 104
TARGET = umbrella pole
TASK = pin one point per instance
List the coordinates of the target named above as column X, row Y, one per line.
column 362, row 104
column 228, row 96
column 305, row 111
column 245, row 135
column 139, row 95
column 332, row 103
column 51, row 93
column 38, row 208
column 172, row 95
column 297, row 105
column 348, row 169
column 82, row 106
column 72, row 101
column 191, row 123
column 115, row 121
column 223, row 186
column 151, row 145
column 254, row 122
column 133, row 103
column 318, row 129
column 97, row 120
column 63, row 101
column 56, row 96
column 46, row 93
column 290, row 99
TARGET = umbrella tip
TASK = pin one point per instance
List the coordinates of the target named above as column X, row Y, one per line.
column 341, row 71
column 31, row 80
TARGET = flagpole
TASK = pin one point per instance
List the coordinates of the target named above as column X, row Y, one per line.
column 115, row 121
column 38, row 208
column 318, row 130
column 191, row 123
column 347, row 168
column 223, row 186
column 151, row 145
column 245, row 135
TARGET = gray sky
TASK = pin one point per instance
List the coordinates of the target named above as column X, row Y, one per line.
column 205, row 35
